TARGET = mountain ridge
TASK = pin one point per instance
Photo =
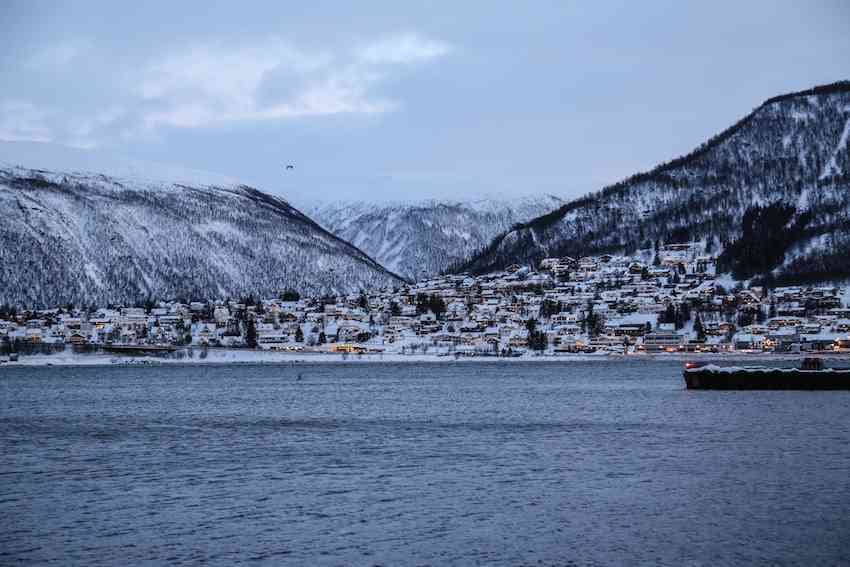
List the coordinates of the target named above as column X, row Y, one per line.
column 91, row 238
column 416, row 238
column 546, row 234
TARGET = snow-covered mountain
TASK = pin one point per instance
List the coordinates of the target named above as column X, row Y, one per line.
column 426, row 237
column 76, row 237
column 772, row 192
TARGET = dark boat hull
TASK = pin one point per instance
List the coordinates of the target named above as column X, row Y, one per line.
column 767, row 379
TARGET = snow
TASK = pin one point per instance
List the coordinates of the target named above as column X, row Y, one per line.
column 635, row 319
column 221, row 228
column 803, row 249
column 99, row 239
column 801, row 115
column 94, row 274
column 54, row 157
column 832, row 166
column 243, row 356
column 727, row 281
column 734, row 369
column 413, row 238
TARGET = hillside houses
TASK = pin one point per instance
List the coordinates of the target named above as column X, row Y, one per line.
column 618, row 304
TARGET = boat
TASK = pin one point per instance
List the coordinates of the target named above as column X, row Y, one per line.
column 812, row 375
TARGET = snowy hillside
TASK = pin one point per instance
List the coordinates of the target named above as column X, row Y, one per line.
column 772, row 192
column 425, row 238
column 92, row 238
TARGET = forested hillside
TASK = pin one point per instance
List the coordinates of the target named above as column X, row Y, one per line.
column 772, row 193
column 88, row 238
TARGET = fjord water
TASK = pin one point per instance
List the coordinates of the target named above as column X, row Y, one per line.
column 457, row 463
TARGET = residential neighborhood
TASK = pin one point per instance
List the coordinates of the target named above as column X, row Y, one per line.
column 603, row 304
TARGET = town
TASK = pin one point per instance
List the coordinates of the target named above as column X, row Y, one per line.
column 605, row 305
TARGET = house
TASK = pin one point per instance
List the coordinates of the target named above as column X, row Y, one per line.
column 749, row 342
column 77, row 339
column 662, row 340
column 273, row 341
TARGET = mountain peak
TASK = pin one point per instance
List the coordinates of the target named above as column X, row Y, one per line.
column 46, row 158
column 793, row 149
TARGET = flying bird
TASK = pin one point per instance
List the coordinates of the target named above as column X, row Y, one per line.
column 290, row 166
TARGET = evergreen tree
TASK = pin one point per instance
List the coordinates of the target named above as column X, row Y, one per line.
column 685, row 311
column 250, row 333
column 699, row 329
column 432, row 303
column 549, row 308
column 289, row 295
column 592, row 323
column 669, row 315
column 536, row 339
column 438, row 306
column 395, row 310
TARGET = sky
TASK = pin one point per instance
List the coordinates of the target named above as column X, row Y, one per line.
column 406, row 100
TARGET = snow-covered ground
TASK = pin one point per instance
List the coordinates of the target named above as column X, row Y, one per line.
column 242, row 356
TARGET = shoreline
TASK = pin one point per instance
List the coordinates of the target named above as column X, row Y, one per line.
column 248, row 357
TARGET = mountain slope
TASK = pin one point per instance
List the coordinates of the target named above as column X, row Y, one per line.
column 92, row 238
column 425, row 238
column 791, row 153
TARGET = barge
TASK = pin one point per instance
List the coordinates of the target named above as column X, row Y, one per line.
column 810, row 376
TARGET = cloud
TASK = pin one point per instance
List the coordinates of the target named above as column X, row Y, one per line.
column 210, row 84
column 403, row 48
column 25, row 121
column 207, row 84
column 22, row 120
column 83, row 132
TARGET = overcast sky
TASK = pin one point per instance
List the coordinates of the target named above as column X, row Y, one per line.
column 404, row 100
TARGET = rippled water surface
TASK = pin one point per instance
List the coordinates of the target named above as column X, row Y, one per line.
column 363, row 464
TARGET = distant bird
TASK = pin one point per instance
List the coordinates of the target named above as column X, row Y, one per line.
column 290, row 166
